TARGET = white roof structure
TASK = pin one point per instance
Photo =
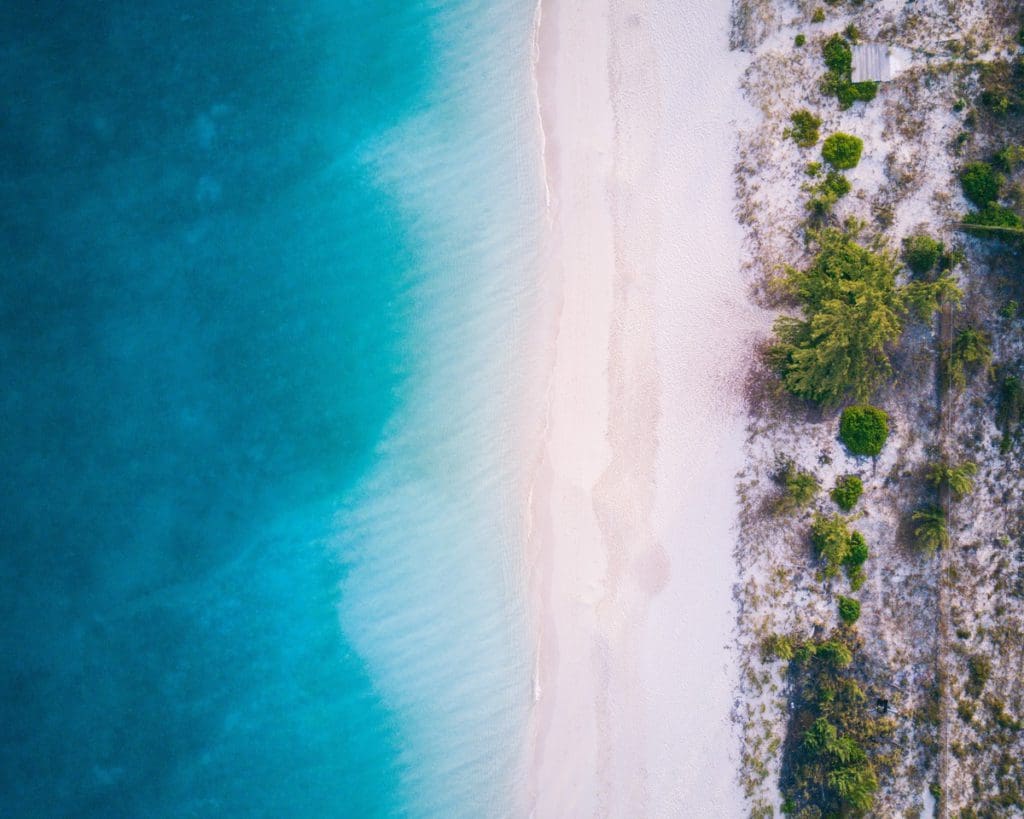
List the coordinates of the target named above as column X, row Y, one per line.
column 874, row 61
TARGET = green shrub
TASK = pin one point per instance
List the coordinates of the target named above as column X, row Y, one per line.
column 838, row 54
column 798, row 488
column 856, row 557
column 835, row 652
column 826, row 193
column 1009, row 158
column 849, row 610
column 842, row 151
column 851, row 92
column 836, row 545
column 837, row 81
column 993, row 215
column 979, row 669
column 804, row 129
column 980, row 183
column 800, row 41
column 852, row 33
column 863, row 429
column 818, row 16
column 921, row 253
column 777, row 646
column 847, row 492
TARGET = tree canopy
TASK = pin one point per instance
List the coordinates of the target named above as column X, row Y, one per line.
column 853, row 312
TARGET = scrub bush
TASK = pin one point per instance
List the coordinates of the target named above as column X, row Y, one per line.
column 847, row 492
column 980, row 183
column 842, row 151
column 849, row 610
column 921, row 253
column 863, row 429
column 804, row 130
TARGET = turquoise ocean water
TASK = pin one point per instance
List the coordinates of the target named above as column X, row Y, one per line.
column 266, row 273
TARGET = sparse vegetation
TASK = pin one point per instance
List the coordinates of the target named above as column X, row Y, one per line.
column 804, row 128
column 798, row 488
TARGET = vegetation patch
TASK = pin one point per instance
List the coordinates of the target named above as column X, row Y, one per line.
column 837, row 546
column 803, row 129
column 864, row 429
column 838, row 79
column 847, row 491
column 842, row 151
column 921, row 253
column 980, row 183
column 849, row 610
column 829, row 766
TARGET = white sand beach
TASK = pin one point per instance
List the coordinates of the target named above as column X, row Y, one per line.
column 632, row 500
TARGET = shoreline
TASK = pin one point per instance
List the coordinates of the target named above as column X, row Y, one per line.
column 631, row 504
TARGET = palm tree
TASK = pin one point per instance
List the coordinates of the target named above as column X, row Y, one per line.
column 971, row 351
column 931, row 531
column 958, row 478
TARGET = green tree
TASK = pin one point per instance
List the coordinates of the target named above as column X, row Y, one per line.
column 931, row 531
column 853, row 312
column 958, row 478
column 971, row 352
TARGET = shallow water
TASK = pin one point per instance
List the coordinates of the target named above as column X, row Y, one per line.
column 265, row 275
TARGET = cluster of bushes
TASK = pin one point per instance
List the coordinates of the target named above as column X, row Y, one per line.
column 838, row 79
column 839, row 548
column 803, row 129
column 853, row 312
column 828, row 761
column 1002, row 87
column 841, row 152
column 982, row 185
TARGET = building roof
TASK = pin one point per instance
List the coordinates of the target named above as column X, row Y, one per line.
column 873, row 61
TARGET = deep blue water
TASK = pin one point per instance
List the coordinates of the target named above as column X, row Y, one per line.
column 235, row 323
